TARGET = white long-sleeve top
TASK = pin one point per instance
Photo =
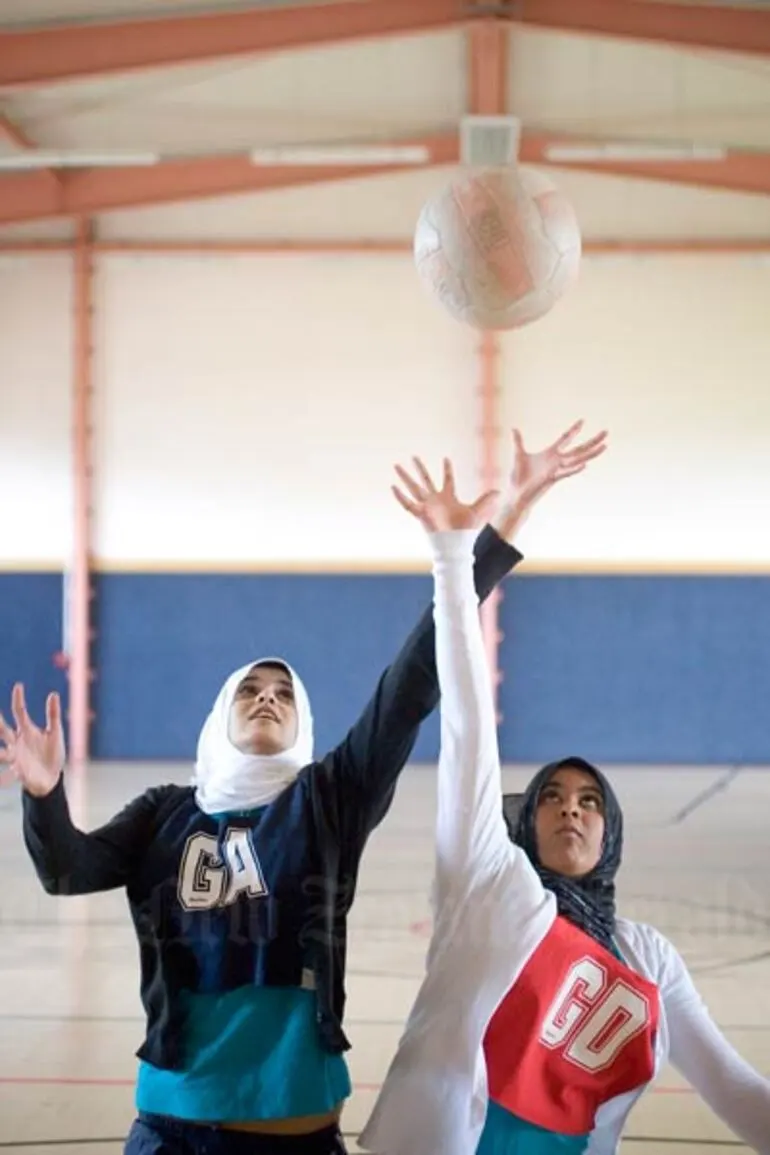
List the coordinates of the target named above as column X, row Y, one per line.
column 491, row 912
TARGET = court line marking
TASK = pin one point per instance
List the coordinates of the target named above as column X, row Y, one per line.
column 722, row 783
column 78, row 1081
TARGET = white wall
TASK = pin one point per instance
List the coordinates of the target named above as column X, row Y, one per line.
column 674, row 356
column 249, row 409
column 35, row 372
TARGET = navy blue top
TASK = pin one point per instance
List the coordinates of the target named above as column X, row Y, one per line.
column 207, row 919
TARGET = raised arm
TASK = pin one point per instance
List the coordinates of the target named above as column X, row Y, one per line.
column 471, row 836
column 734, row 1091
column 472, row 843
column 367, row 763
column 67, row 860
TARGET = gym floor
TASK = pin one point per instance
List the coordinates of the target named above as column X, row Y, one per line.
column 697, row 866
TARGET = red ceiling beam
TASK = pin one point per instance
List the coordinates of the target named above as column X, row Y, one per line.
column 67, row 51
column 11, row 132
column 24, row 197
column 29, row 196
column 488, row 56
column 646, row 246
column 723, row 27
column 743, row 172
column 60, row 52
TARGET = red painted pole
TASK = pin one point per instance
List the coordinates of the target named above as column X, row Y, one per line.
column 488, row 54
column 78, row 606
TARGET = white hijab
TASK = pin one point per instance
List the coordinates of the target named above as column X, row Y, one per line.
column 225, row 778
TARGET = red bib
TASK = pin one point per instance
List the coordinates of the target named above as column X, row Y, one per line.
column 576, row 1029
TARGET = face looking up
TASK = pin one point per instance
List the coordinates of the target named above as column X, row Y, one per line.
column 263, row 716
column 569, row 823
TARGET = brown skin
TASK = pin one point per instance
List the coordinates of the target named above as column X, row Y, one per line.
column 263, row 716
column 569, row 823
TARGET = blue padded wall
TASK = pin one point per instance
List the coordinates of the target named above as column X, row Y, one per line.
column 637, row 669
column 30, row 635
column 617, row 668
column 166, row 642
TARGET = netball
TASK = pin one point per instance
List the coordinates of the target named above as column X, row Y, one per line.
column 498, row 248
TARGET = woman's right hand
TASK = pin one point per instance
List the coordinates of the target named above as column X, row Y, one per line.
column 34, row 757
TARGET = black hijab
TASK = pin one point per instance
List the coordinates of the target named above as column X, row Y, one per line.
column 588, row 901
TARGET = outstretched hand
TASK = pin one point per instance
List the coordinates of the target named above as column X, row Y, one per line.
column 535, row 473
column 34, row 757
column 439, row 510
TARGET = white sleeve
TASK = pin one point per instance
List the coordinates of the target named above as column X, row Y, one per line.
column 734, row 1091
column 471, row 836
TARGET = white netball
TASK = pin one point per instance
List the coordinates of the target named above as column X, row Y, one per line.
column 498, row 248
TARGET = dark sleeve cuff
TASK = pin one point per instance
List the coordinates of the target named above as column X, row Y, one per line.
column 495, row 558
column 48, row 811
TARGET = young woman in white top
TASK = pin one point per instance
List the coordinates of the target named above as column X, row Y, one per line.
column 542, row 1017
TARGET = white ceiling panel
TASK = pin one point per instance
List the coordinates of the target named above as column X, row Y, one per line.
column 587, row 84
column 369, row 90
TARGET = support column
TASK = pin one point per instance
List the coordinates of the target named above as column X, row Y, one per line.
column 489, row 470
column 79, row 593
column 488, row 53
